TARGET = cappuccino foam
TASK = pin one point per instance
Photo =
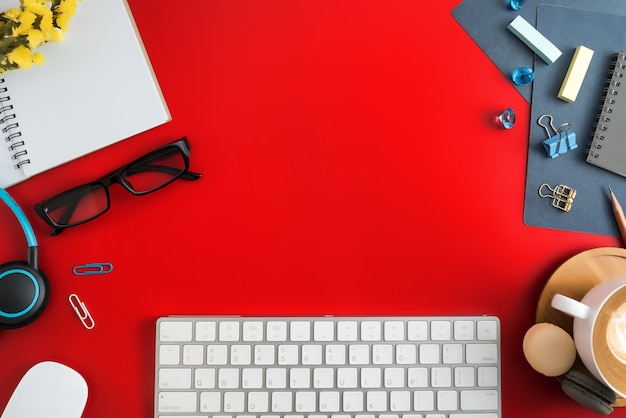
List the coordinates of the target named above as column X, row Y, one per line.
column 609, row 340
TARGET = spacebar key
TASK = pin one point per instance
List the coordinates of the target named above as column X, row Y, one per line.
column 479, row 400
column 177, row 402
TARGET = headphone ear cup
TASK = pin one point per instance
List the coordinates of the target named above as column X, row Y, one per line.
column 24, row 293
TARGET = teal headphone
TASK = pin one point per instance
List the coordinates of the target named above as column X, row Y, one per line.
column 23, row 287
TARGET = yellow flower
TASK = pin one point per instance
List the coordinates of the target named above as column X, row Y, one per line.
column 39, row 8
column 68, row 7
column 21, row 57
column 35, row 38
column 38, row 58
column 45, row 23
column 26, row 21
column 54, row 34
column 27, row 18
column 26, row 28
column 12, row 14
column 63, row 22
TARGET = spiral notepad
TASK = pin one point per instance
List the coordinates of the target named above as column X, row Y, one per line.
column 95, row 88
column 608, row 144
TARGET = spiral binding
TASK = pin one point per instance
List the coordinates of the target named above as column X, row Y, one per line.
column 10, row 129
column 611, row 91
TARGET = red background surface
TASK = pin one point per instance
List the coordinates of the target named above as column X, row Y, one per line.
column 350, row 166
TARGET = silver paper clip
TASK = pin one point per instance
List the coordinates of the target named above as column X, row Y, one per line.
column 82, row 311
column 93, row 268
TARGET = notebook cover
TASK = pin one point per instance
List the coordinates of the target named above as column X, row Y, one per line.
column 95, row 88
column 591, row 210
column 608, row 146
column 486, row 22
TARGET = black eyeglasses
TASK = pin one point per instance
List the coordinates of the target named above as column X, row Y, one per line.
column 147, row 174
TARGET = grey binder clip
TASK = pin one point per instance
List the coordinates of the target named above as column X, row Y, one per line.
column 562, row 196
column 561, row 141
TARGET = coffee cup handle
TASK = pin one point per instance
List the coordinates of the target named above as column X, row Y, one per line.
column 570, row 306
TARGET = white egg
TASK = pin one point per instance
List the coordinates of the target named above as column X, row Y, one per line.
column 549, row 349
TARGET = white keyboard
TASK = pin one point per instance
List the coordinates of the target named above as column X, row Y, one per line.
column 328, row 367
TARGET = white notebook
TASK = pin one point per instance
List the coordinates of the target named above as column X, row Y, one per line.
column 95, row 88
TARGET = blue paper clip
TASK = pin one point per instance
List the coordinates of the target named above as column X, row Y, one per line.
column 93, row 268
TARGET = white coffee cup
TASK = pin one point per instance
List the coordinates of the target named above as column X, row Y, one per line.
column 600, row 331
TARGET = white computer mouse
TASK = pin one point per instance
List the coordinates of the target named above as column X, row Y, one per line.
column 50, row 390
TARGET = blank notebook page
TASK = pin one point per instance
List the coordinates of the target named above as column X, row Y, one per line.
column 95, row 88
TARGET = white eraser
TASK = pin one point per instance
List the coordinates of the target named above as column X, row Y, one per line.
column 534, row 40
column 575, row 74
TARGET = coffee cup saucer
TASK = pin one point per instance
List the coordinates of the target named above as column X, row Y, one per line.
column 574, row 278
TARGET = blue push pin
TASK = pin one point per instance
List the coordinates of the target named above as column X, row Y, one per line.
column 507, row 118
column 562, row 140
column 517, row 4
column 523, row 76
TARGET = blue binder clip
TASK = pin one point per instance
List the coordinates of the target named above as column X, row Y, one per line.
column 562, row 140
column 93, row 268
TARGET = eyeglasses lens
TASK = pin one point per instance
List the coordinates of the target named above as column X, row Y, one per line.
column 78, row 205
column 155, row 170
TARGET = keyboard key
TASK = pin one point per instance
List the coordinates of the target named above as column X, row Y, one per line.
column 288, row 355
column 487, row 376
column 347, row 330
column 169, row 355
column 252, row 378
column 175, row 378
column 204, row 379
column 276, row 331
column 252, row 331
column 323, row 331
column 335, row 354
column 382, row 354
column 481, row 353
column 193, row 355
column 487, row 330
column 229, row 331
column 394, row 330
column 210, row 402
column 400, row 401
column 264, row 355
column 176, row 331
column 300, row 331
column 479, row 400
column 424, row 400
column 429, row 354
column 240, row 355
column 217, row 355
column 205, row 331
column 177, row 402
column 406, row 354
column 312, row 355
column 329, row 401
column 417, row 330
column 353, row 401
column 440, row 330
column 371, row 331
column 463, row 330
column 371, row 377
